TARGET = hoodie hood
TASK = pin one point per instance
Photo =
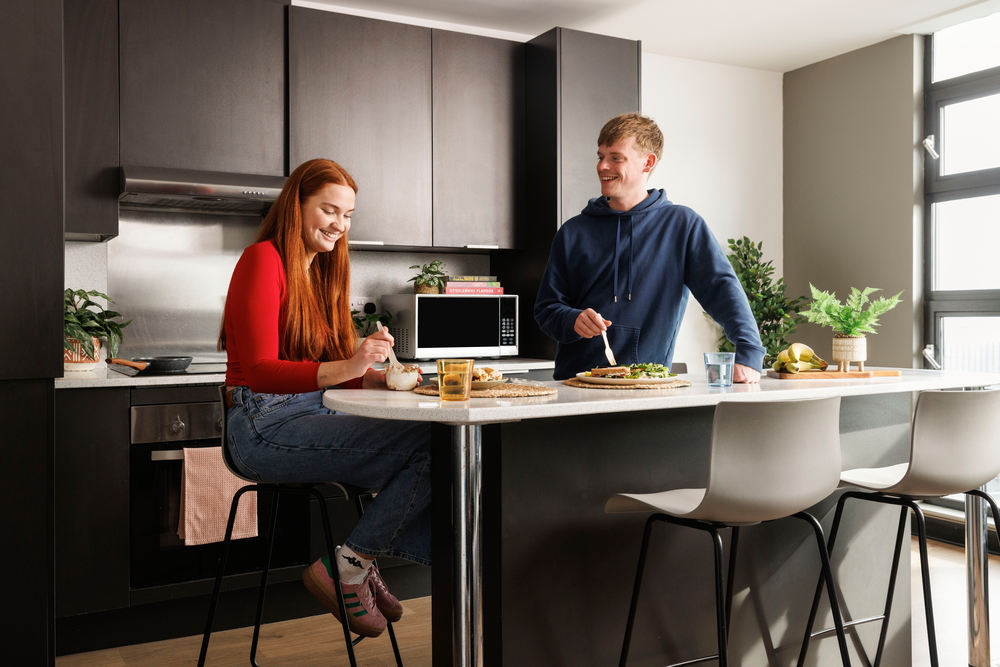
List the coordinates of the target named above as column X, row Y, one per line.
column 599, row 207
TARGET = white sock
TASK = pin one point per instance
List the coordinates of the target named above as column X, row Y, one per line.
column 351, row 566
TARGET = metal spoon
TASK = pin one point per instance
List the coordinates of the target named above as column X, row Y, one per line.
column 607, row 349
column 392, row 355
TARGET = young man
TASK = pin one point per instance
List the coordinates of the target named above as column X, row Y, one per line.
column 631, row 258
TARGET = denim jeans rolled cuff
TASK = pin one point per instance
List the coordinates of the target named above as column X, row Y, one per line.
column 293, row 438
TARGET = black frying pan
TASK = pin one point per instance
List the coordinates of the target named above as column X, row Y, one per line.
column 155, row 364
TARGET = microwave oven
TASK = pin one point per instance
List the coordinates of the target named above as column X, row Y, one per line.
column 436, row 326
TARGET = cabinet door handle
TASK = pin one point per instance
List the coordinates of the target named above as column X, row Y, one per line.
column 167, row 455
column 484, row 247
column 365, row 243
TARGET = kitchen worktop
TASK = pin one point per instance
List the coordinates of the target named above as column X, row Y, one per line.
column 571, row 401
column 102, row 376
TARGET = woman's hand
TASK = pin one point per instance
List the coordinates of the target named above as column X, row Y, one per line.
column 373, row 350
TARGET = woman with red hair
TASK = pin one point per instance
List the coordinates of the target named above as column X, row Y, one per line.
column 288, row 334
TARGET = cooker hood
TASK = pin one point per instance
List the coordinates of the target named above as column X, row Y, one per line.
column 197, row 191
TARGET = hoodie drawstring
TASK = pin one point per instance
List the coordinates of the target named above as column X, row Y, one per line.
column 631, row 225
column 618, row 237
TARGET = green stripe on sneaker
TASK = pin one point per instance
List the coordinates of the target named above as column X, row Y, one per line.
column 353, row 604
column 359, row 613
column 350, row 595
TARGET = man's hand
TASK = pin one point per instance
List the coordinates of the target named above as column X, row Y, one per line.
column 745, row 375
column 589, row 324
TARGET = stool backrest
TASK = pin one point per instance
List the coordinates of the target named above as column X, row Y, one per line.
column 954, row 443
column 771, row 459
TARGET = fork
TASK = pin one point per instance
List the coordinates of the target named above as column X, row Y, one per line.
column 607, row 349
column 392, row 355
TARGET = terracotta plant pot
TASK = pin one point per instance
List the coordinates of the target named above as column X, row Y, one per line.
column 425, row 289
column 77, row 360
column 850, row 348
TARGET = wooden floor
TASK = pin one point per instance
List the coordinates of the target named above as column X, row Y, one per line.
column 317, row 640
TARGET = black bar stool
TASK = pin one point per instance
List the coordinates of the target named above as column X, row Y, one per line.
column 349, row 493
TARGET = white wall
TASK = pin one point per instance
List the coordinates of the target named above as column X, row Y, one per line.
column 722, row 157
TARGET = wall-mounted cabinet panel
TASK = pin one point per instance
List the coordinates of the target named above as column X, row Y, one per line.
column 479, row 144
column 203, row 85
column 90, row 29
column 360, row 94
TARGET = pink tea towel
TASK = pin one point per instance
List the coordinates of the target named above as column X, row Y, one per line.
column 207, row 490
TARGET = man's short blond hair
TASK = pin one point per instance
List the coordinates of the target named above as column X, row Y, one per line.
column 648, row 138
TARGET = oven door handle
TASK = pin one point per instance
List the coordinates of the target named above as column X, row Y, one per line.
column 167, row 455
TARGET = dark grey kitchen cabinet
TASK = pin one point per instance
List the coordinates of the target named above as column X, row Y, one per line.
column 203, row 85
column 90, row 31
column 479, row 149
column 91, row 500
column 360, row 94
column 576, row 82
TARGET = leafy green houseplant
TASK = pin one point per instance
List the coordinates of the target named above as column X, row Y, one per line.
column 430, row 280
column 850, row 321
column 85, row 320
column 776, row 315
column 850, row 318
column 365, row 322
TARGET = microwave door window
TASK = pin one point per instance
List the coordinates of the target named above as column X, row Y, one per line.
column 459, row 322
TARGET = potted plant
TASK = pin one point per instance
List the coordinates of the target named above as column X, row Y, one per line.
column 776, row 316
column 851, row 321
column 365, row 322
column 84, row 324
column 430, row 280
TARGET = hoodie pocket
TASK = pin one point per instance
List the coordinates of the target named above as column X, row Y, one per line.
column 624, row 342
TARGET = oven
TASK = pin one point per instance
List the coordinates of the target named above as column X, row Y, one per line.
column 163, row 422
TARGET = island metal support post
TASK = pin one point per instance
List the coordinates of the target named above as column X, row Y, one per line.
column 467, row 598
column 975, row 555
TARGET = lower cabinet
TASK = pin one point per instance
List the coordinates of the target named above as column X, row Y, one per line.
column 91, row 500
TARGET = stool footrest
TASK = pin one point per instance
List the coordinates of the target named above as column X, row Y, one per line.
column 694, row 662
column 847, row 624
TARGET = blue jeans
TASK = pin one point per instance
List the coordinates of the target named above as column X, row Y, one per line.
column 293, row 438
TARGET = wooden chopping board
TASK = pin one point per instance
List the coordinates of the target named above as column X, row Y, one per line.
column 832, row 375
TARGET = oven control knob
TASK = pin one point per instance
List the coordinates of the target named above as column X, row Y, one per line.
column 177, row 425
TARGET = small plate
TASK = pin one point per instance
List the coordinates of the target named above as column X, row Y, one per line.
column 487, row 384
column 623, row 381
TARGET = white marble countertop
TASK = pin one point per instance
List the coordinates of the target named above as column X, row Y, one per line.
column 573, row 401
column 102, row 376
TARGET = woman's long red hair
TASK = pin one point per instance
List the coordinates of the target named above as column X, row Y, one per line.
column 317, row 316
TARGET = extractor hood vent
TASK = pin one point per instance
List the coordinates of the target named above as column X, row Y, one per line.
column 198, row 191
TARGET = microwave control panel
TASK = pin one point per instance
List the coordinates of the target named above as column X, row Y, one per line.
column 508, row 328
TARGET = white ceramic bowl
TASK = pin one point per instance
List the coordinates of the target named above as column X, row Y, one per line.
column 404, row 380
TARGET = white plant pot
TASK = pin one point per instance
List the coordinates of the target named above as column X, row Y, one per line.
column 76, row 360
column 850, row 348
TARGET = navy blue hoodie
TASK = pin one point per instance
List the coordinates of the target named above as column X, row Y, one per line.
column 636, row 268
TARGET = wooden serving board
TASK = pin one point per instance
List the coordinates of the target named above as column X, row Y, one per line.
column 832, row 375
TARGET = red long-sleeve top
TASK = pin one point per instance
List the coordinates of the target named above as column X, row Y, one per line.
column 256, row 308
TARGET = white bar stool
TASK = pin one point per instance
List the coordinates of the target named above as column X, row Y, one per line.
column 756, row 473
column 954, row 448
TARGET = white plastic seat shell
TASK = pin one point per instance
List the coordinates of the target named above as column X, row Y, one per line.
column 954, row 447
column 759, row 470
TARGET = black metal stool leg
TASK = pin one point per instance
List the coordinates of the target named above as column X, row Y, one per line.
column 819, row 585
column 925, row 576
column 635, row 589
column 222, row 570
column 831, row 587
column 336, row 579
column 720, row 603
column 359, row 504
column 263, row 577
column 900, row 537
column 734, row 540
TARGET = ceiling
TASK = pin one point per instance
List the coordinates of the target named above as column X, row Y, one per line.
column 774, row 35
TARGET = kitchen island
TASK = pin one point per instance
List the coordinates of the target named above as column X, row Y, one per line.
column 556, row 572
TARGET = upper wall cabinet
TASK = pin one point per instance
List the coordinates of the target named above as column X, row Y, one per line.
column 360, row 94
column 203, row 85
column 90, row 66
column 478, row 139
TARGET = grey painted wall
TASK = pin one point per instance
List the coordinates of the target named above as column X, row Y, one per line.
column 853, row 188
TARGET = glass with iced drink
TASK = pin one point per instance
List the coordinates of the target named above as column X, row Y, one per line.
column 454, row 379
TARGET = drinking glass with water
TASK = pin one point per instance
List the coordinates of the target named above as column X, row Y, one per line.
column 719, row 368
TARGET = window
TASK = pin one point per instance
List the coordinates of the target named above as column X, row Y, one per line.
column 962, row 200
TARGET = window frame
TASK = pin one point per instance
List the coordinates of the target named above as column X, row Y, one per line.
column 940, row 188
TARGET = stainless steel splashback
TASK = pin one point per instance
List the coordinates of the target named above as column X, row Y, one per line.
column 169, row 272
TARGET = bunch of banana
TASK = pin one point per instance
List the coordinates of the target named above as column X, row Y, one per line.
column 797, row 358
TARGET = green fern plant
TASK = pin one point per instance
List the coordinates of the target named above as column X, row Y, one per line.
column 850, row 318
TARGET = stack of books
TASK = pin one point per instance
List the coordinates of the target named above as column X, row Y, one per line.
column 472, row 285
